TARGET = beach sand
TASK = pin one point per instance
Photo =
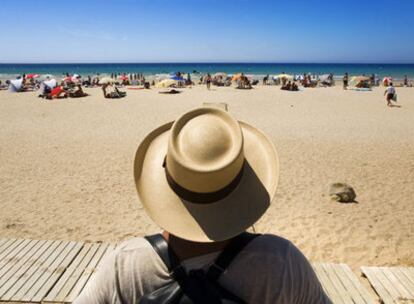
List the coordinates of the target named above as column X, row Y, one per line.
column 67, row 166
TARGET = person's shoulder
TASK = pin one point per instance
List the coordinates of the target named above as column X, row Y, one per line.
column 269, row 244
column 134, row 246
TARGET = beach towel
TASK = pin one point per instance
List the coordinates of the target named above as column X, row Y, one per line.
column 56, row 91
column 360, row 89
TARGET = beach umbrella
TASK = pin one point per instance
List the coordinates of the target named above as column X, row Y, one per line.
column 287, row 76
column 122, row 77
column 30, row 76
column 177, row 78
column 236, row 77
column 106, row 80
column 166, row 83
column 67, row 79
column 359, row 78
column 16, row 85
column 50, row 83
column 387, row 80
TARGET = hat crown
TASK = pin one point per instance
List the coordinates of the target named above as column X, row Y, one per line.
column 205, row 151
column 205, row 141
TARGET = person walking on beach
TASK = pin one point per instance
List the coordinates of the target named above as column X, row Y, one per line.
column 390, row 94
column 208, row 81
column 345, row 81
column 405, row 80
column 205, row 179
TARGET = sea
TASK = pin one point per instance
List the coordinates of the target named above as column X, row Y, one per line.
column 257, row 70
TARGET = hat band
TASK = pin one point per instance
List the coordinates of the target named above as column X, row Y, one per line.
column 203, row 197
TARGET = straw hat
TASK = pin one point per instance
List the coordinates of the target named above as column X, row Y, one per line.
column 206, row 177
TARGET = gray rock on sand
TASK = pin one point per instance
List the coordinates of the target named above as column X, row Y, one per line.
column 342, row 192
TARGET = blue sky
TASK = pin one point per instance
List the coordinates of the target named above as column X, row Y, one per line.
column 365, row 31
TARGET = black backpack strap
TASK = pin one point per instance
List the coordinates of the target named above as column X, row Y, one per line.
column 161, row 247
column 228, row 254
column 167, row 255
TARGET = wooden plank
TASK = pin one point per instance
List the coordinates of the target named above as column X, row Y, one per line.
column 44, row 264
column 326, row 283
column 2, row 242
column 402, row 291
column 357, row 284
column 72, row 280
column 73, row 273
column 407, row 273
column 376, row 283
column 87, row 273
column 386, row 283
column 6, row 245
column 25, row 279
column 405, row 280
column 52, row 273
column 15, row 257
column 20, row 268
column 9, row 251
column 337, row 283
column 348, row 284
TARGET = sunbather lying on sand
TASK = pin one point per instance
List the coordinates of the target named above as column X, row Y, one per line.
column 58, row 92
column 78, row 93
column 116, row 94
column 4, row 86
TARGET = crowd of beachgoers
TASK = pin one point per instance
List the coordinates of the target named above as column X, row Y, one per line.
column 71, row 85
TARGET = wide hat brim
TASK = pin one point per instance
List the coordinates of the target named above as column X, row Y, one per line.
column 208, row 222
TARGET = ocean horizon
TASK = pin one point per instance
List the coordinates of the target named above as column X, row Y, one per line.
column 398, row 71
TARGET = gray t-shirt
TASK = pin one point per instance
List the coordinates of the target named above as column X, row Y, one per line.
column 269, row 269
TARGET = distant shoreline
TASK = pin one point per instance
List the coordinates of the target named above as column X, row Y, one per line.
column 395, row 70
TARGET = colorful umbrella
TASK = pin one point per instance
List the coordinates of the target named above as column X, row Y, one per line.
column 287, row 76
column 30, row 76
column 359, row 78
column 177, row 78
column 166, row 83
column 122, row 77
column 236, row 77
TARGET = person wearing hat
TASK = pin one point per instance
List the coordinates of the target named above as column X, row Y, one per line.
column 205, row 179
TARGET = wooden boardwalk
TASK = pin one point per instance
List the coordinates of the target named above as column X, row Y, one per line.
column 392, row 284
column 33, row 271
column 341, row 284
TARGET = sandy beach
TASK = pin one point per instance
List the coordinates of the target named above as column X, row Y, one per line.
column 66, row 166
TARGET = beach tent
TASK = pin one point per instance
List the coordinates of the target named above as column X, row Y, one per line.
column 16, row 85
column 166, row 83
